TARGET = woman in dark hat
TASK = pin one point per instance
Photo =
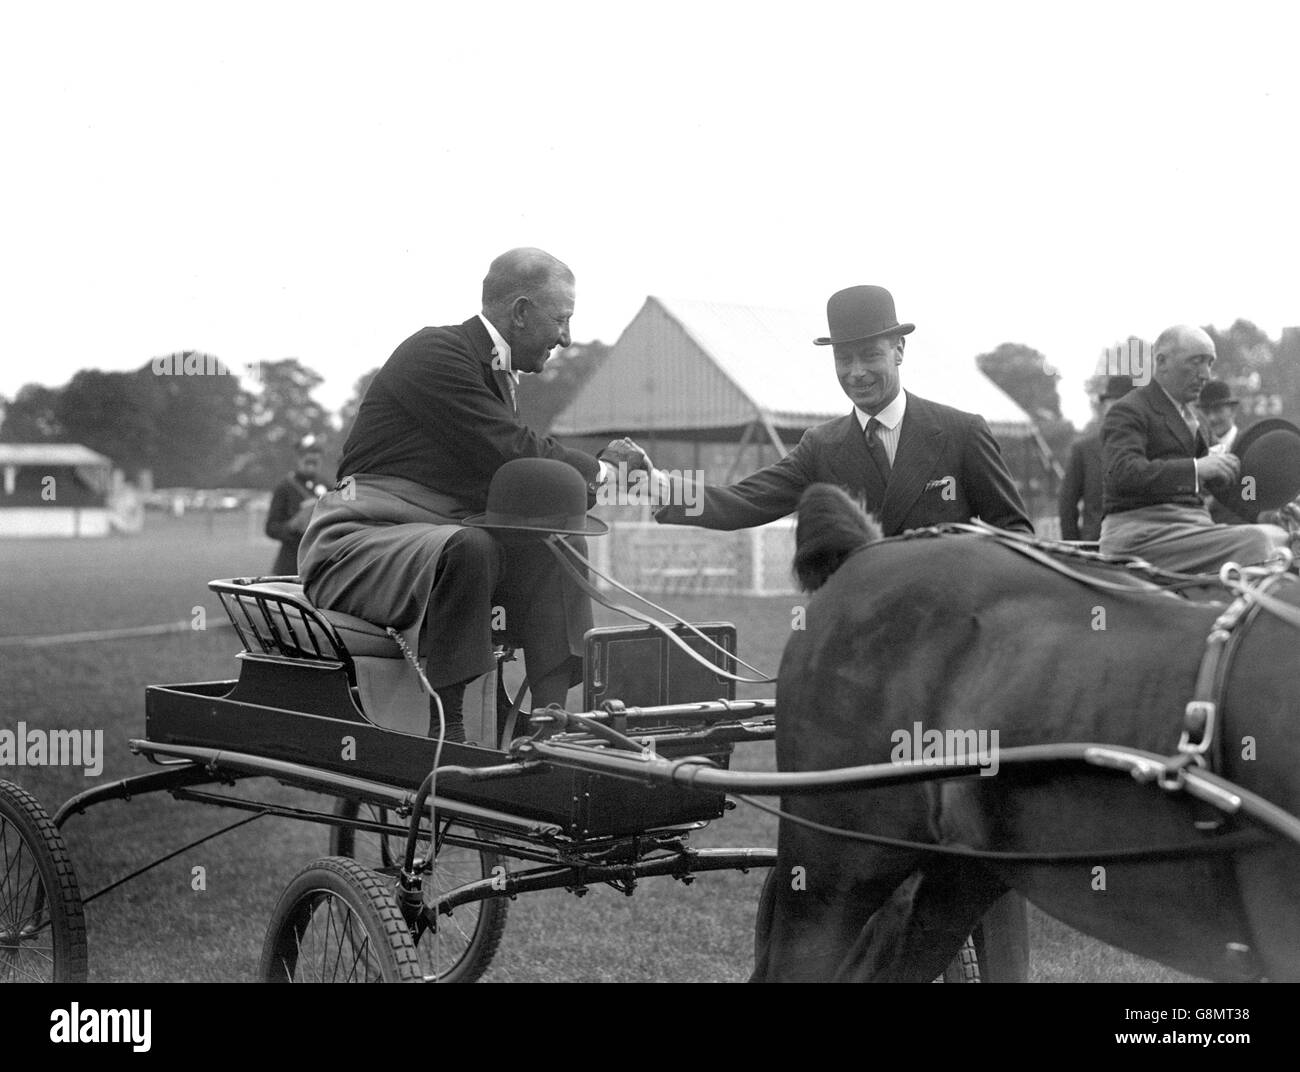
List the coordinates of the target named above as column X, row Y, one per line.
column 292, row 502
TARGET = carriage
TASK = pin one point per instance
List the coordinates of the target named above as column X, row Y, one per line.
column 429, row 840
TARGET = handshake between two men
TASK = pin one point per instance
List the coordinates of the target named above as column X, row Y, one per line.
column 624, row 457
column 629, row 478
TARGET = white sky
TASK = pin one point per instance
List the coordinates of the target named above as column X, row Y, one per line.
column 319, row 180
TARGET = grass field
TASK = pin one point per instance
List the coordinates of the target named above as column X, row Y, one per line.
column 158, row 927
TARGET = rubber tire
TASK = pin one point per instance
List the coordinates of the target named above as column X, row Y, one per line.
column 472, row 952
column 965, row 966
column 367, row 900
column 31, row 846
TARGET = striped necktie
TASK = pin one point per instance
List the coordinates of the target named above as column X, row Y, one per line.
column 506, row 384
column 876, row 448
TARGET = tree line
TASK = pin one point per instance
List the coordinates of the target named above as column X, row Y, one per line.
column 1264, row 375
column 194, row 424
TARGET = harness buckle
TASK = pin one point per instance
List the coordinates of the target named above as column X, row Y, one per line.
column 1173, row 777
column 1198, row 728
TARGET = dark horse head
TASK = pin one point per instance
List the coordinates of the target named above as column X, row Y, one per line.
column 831, row 526
column 959, row 638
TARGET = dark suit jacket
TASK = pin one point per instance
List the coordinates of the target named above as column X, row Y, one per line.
column 436, row 414
column 1083, row 481
column 288, row 496
column 947, row 468
column 1149, row 453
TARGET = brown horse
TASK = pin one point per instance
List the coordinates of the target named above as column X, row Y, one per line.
column 961, row 634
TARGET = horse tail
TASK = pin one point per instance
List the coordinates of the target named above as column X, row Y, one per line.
column 831, row 527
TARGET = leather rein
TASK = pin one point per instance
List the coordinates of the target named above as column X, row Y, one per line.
column 1199, row 747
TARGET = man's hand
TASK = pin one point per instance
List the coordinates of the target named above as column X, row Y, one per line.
column 623, row 452
column 1218, row 468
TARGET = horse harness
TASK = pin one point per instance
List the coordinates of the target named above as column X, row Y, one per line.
column 1200, row 747
column 1200, row 742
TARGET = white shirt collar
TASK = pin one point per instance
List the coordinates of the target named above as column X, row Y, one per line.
column 890, row 416
column 1185, row 408
column 500, row 350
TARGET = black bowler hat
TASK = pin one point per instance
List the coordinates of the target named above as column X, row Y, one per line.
column 1270, row 453
column 860, row 313
column 538, row 495
column 1216, row 393
column 1116, row 387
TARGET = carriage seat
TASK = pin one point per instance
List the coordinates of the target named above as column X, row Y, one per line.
column 359, row 637
column 274, row 616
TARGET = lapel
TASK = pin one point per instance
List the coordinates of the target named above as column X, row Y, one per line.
column 920, row 447
column 1164, row 406
column 480, row 344
column 852, row 464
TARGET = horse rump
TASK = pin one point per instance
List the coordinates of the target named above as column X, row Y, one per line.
column 831, row 526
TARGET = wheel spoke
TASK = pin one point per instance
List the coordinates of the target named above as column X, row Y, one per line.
column 42, row 928
column 338, row 923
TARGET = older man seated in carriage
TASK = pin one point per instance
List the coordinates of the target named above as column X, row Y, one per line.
column 390, row 545
column 1158, row 465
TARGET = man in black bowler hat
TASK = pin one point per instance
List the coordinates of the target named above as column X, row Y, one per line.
column 1218, row 410
column 390, row 545
column 915, row 463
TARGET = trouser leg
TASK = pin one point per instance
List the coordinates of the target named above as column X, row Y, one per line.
column 452, row 700
column 545, row 614
column 457, row 633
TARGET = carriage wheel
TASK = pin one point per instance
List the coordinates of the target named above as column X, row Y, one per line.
column 42, row 925
column 464, row 943
column 965, row 966
column 337, row 922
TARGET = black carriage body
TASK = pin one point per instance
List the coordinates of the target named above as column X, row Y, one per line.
column 305, row 710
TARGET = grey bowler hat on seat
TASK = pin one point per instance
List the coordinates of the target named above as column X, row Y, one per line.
column 539, row 495
column 859, row 313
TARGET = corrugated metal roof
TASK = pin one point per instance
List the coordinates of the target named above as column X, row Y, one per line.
column 50, row 454
column 685, row 365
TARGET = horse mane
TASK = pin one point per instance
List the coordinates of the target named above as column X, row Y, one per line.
column 831, row 526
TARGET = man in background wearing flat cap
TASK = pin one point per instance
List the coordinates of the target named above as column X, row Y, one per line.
column 915, row 463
